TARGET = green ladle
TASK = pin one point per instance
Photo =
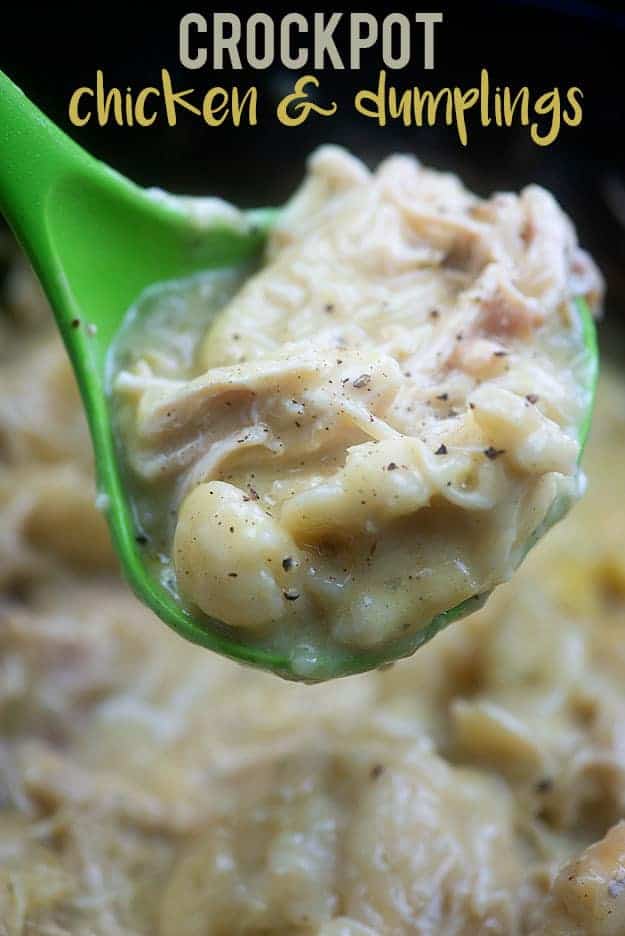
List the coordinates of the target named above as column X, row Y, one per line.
column 97, row 241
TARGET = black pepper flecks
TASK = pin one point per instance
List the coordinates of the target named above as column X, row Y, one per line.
column 493, row 453
column 441, row 450
column 362, row 381
column 291, row 594
column 532, row 398
column 287, row 563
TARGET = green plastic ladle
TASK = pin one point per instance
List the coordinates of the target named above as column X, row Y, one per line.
column 97, row 241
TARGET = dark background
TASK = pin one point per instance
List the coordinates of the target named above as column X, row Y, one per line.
column 52, row 51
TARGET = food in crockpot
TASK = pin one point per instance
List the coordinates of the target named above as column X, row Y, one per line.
column 148, row 787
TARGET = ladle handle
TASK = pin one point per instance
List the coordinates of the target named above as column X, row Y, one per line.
column 34, row 156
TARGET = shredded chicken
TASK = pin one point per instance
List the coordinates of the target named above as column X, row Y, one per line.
column 398, row 321
column 148, row 787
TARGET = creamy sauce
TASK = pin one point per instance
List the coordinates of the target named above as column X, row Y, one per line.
column 167, row 323
column 376, row 424
column 147, row 787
